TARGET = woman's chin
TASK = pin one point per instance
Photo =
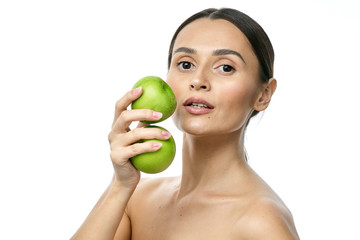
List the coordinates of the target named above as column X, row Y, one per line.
column 193, row 127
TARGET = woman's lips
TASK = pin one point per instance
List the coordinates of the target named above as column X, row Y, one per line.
column 197, row 106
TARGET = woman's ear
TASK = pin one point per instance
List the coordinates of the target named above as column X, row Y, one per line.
column 265, row 94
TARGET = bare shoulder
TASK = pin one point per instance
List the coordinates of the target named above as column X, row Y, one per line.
column 268, row 218
column 149, row 189
column 153, row 184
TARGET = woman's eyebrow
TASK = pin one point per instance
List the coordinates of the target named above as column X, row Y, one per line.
column 217, row 52
column 221, row 52
column 185, row 50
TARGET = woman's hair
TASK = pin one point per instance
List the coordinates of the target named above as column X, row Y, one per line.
column 255, row 34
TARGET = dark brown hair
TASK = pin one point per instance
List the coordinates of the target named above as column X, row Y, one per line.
column 256, row 35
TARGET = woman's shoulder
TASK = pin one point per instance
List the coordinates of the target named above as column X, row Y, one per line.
column 267, row 216
column 155, row 185
column 155, row 182
column 149, row 190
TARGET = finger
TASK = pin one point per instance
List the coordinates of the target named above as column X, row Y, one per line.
column 142, row 134
column 125, row 101
column 139, row 148
column 128, row 116
column 141, row 125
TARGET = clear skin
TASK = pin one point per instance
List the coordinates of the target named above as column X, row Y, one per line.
column 218, row 195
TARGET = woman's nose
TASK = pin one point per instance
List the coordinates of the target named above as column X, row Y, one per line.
column 199, row 83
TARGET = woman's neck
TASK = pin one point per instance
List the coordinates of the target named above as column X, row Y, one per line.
column 210, row 163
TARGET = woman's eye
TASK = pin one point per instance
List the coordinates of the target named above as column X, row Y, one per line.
column 185, row 65
column 226, row 68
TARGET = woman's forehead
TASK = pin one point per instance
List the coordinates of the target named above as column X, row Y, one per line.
column 205, row 33
column 213, row 32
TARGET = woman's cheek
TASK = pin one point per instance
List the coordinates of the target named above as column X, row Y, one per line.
column 175, row 88
column 170, row 80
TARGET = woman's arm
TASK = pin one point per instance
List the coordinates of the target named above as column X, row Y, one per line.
column 106, row 216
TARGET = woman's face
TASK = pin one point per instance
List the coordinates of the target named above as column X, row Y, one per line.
column 214, row 75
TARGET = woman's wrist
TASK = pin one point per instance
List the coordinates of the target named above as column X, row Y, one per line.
column 119, row 189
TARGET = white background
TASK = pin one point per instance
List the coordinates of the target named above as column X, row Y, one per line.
column 63, row 65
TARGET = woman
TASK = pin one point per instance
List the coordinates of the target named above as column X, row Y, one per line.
column 221, row 71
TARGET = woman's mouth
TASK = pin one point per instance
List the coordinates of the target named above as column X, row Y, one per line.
column 197, row 106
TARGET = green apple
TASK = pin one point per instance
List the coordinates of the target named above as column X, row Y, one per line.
column 157, row 96
column 155, row 162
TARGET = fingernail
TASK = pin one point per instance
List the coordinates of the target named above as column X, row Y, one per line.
column 136, row 91
column 165, row 134
column 157, row 115
column 156, row 145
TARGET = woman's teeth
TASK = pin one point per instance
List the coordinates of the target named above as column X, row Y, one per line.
column 199, row 105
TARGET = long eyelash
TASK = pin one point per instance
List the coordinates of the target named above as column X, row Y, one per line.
column 182, row 62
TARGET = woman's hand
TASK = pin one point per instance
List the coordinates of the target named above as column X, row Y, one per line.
column 123, row 140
